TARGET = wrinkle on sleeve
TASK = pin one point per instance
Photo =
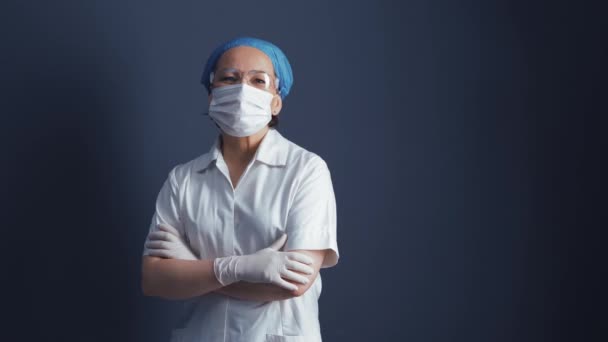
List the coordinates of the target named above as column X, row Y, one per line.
column 167, row 207
column 311, row 220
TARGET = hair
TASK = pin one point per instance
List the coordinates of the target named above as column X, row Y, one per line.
column 274, row 121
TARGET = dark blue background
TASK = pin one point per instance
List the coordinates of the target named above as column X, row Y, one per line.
column 462, row 137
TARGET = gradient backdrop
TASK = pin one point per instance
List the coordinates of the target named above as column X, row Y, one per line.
column 460, row 136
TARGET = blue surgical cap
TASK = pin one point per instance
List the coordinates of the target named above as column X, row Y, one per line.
column 282, row 69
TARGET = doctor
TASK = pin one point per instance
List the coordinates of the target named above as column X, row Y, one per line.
column 240, row 232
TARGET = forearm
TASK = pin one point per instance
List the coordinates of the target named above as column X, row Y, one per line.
column 177, row 279
column 256, row 291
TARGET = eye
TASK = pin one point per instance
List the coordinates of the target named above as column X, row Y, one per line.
column 228, row 79
column 260, row 81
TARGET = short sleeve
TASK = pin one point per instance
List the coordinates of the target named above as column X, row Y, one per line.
column 311, row 219
column 167, row 207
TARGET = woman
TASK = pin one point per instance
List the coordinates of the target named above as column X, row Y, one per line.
column 241, row 231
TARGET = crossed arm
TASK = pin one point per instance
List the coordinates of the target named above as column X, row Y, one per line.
column 182, row 279
column 269, row 292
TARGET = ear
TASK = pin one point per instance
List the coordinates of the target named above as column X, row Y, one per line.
column 276, row 105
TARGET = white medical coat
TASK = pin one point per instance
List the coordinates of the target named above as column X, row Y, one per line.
column 285, row 188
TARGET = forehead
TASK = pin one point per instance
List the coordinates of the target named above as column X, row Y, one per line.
column 245, row 58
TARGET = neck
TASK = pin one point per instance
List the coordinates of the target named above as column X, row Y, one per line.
column 241, row 150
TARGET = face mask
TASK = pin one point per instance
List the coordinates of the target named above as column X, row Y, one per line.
column 240, row 109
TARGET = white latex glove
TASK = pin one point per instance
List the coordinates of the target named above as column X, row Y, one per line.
column 267, row 265
column 168, row 243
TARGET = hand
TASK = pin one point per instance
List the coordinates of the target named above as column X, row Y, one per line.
column 168, row 243
column 267, row 265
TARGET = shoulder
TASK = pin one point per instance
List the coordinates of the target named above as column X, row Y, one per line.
column 182, row 172
column 301, row 157
column 302, row 160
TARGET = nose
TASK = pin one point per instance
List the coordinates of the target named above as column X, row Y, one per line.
column 244, row 78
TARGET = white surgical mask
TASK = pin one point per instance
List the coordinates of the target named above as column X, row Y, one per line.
column 240, row 109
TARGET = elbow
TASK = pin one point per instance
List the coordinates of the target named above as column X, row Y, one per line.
column 149, row 288
column 146, row 290
column 300, row 291
column 302, row 288
column 146, row 286
column 152, row 284
column 147, row 281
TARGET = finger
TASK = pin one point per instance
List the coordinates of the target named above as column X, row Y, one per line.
column 286, row 285
column 301, row 257
column 297, row 266
column 159, row 235
column 279, row 243
column 157, row 244
column 163, row 253
column 169, row 229
column 287, row 274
